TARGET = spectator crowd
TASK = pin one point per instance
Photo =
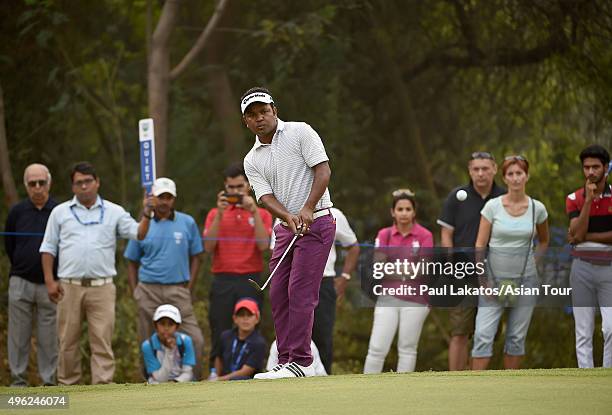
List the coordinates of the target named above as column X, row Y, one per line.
column 62, row 258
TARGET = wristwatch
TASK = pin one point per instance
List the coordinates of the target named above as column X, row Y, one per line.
column 346, row 276
column 151, row 214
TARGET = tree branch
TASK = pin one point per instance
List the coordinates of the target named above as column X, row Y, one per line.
column 166, row 23
column 557, row 43
column 149, row 30
column 471, row 56
column 202, row 40
column 467, row 29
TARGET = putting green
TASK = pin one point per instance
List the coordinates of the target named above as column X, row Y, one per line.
column 556, row 391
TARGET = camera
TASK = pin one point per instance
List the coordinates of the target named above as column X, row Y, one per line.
column 233, row 198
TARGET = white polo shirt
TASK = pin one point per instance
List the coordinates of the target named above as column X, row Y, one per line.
column 284, row 167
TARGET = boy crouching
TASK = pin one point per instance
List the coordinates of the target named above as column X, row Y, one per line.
column 168, row 354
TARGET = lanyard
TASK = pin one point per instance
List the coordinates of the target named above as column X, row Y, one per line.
column 95, row 222
column 234, row 366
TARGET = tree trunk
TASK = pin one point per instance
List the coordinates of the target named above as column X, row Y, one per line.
column 227, row 111
column 159, row 80
column 160, row 75
column 410, row 122
column 225, row 106
column 10, row 191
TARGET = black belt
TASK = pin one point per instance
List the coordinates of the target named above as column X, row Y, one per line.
column 597, row 261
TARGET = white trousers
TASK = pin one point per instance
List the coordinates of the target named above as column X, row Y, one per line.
column 591, row 286
column 389, row 314
column 585, row 326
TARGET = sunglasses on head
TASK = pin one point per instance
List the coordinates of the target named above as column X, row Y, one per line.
column 519, row 158
column 482, row 155
column 402, row 192
column 34, row 183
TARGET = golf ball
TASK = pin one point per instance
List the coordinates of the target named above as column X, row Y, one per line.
column 461, row 195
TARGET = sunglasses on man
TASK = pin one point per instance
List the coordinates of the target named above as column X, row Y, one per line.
column 34, row 183
column 482, row 155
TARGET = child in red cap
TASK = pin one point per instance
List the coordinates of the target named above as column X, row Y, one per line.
column 241, row 350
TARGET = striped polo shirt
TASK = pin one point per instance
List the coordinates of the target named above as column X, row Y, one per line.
column 600, row 220
column 284, row 167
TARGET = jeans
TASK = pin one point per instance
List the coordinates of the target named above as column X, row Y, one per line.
column 487, row 320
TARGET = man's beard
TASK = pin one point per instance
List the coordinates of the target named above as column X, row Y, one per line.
column 597, row 179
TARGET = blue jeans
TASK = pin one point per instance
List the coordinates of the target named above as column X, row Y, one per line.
column 487, row 320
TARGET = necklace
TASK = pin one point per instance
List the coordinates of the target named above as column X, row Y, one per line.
column 95, row 222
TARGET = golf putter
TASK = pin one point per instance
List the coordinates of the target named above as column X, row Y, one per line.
column 278, row 264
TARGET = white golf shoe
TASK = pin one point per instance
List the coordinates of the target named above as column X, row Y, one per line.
column 293, row 370
column 266, row 375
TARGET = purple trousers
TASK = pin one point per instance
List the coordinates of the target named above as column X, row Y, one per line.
column 294, row 290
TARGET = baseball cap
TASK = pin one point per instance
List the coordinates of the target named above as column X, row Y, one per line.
column 255, row 97
column 247, row 303
column 167, row 310
column 163, row 185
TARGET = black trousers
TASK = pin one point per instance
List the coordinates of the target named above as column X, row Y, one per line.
column 324, row 319
column 225, row 291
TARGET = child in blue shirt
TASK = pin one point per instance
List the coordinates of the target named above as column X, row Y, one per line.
column 242, row 350
column 168, row 354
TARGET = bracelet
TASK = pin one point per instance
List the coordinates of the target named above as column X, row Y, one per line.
column 346, row 276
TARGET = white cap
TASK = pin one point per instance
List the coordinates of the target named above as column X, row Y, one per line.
column 163, row 185
column 167, row 310
column 255, row 97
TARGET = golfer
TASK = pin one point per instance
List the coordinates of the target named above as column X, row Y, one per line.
column 289, row 172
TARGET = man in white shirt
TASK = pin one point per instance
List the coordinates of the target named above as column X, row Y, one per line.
column 82, row 234
column 289, row 171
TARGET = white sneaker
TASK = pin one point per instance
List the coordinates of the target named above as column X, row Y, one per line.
column 293, row 370
column 266, row 375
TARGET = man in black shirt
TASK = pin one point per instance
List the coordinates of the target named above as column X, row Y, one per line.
column 25, row 226
column 459, row 223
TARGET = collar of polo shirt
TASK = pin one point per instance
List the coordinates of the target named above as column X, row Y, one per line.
column 255, row 97
column 75, row 202
column 279, row 127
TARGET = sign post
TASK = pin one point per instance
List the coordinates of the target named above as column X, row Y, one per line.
column 146, row 136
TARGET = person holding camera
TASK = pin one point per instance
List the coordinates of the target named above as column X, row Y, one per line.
column 236, row 234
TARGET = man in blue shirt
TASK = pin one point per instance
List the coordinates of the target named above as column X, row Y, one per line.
column 162, row 268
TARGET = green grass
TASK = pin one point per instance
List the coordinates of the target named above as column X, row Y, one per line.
column 556, row 391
